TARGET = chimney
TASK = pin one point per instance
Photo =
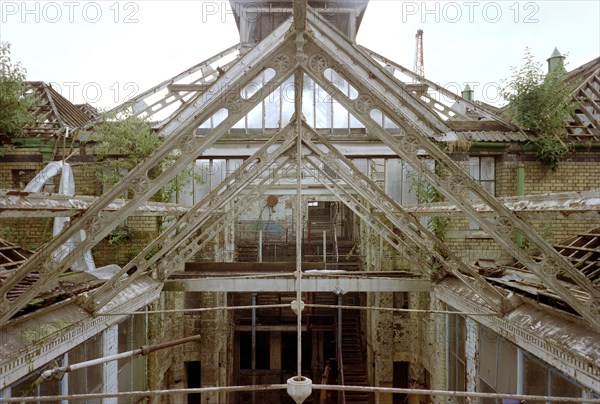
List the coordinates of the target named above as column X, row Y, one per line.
column 556, row 61
column 467, row 93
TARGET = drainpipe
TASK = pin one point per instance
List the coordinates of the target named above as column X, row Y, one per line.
column 260, row 246
column 325, row 248
column 520, row 192
column 340, row 363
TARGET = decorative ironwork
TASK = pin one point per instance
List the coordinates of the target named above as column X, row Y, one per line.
column 232, row 102
column 4, row 306
column 593, row 306
column 187, row 143
column 140, row 184
column 457, row 183
column 281, row 62
column 364, row 103
column 93, row 224
column 410, row 144
column 317, row 63
column 504, row 225
column 549, row 267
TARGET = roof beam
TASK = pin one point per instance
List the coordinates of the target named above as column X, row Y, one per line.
column 142, row 104
column 300, row 7
column 60, row 328
column 360, row 69
column 580, row 205
column 442, row 90
column 23, row 204
column 323, row 283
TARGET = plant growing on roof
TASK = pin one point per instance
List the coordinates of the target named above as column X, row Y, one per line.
column 15, row 103
column 124, row 142
column 540, row 104
column 438, row 225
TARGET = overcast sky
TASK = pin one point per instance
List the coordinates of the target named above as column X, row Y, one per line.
column 103, row 52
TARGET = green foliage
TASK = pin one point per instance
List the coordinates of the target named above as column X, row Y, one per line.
column 15, row 105
column 7, row 233
column 123, row 143
column 438, row 225
column 541, row 104
column 120, row 235
column 426, row 193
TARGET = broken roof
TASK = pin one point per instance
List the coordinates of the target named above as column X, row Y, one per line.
column 54, row 113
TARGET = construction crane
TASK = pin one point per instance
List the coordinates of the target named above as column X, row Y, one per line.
column 419, row 65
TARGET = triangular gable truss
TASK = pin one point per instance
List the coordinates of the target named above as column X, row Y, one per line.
column 178, row 88
column 225, row 93
column 327, row 49
column 585, row 125
column 337, row 53
column 401, row 219
column 184, row 227
column 53, row 112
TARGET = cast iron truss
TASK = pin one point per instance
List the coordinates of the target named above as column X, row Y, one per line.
column 304, row 47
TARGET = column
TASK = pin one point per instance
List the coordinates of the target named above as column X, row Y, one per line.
column 110, row 370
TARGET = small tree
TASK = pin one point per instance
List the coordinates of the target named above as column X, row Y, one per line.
column 123, row 143
column 542, row 105
column 15, row 105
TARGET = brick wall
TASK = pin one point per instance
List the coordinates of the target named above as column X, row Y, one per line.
column 19, row 165
column 580, row 172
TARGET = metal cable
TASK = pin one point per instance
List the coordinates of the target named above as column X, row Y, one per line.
column 332, row 306
column 270, row 387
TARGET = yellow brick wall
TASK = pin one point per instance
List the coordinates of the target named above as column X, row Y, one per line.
column 576, row 173
column 31, row 232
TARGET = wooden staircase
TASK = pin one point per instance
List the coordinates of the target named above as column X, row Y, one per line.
column 354, row 364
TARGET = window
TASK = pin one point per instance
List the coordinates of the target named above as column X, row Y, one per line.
column 540, row 379
column 193, row 370
column 263, row 353
column 456, row 354
column 483, row 170
column 87, row 380
column 497, row 365
column 401, row 301
column 132, row 371
column 193, row 300
column 22, row 177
